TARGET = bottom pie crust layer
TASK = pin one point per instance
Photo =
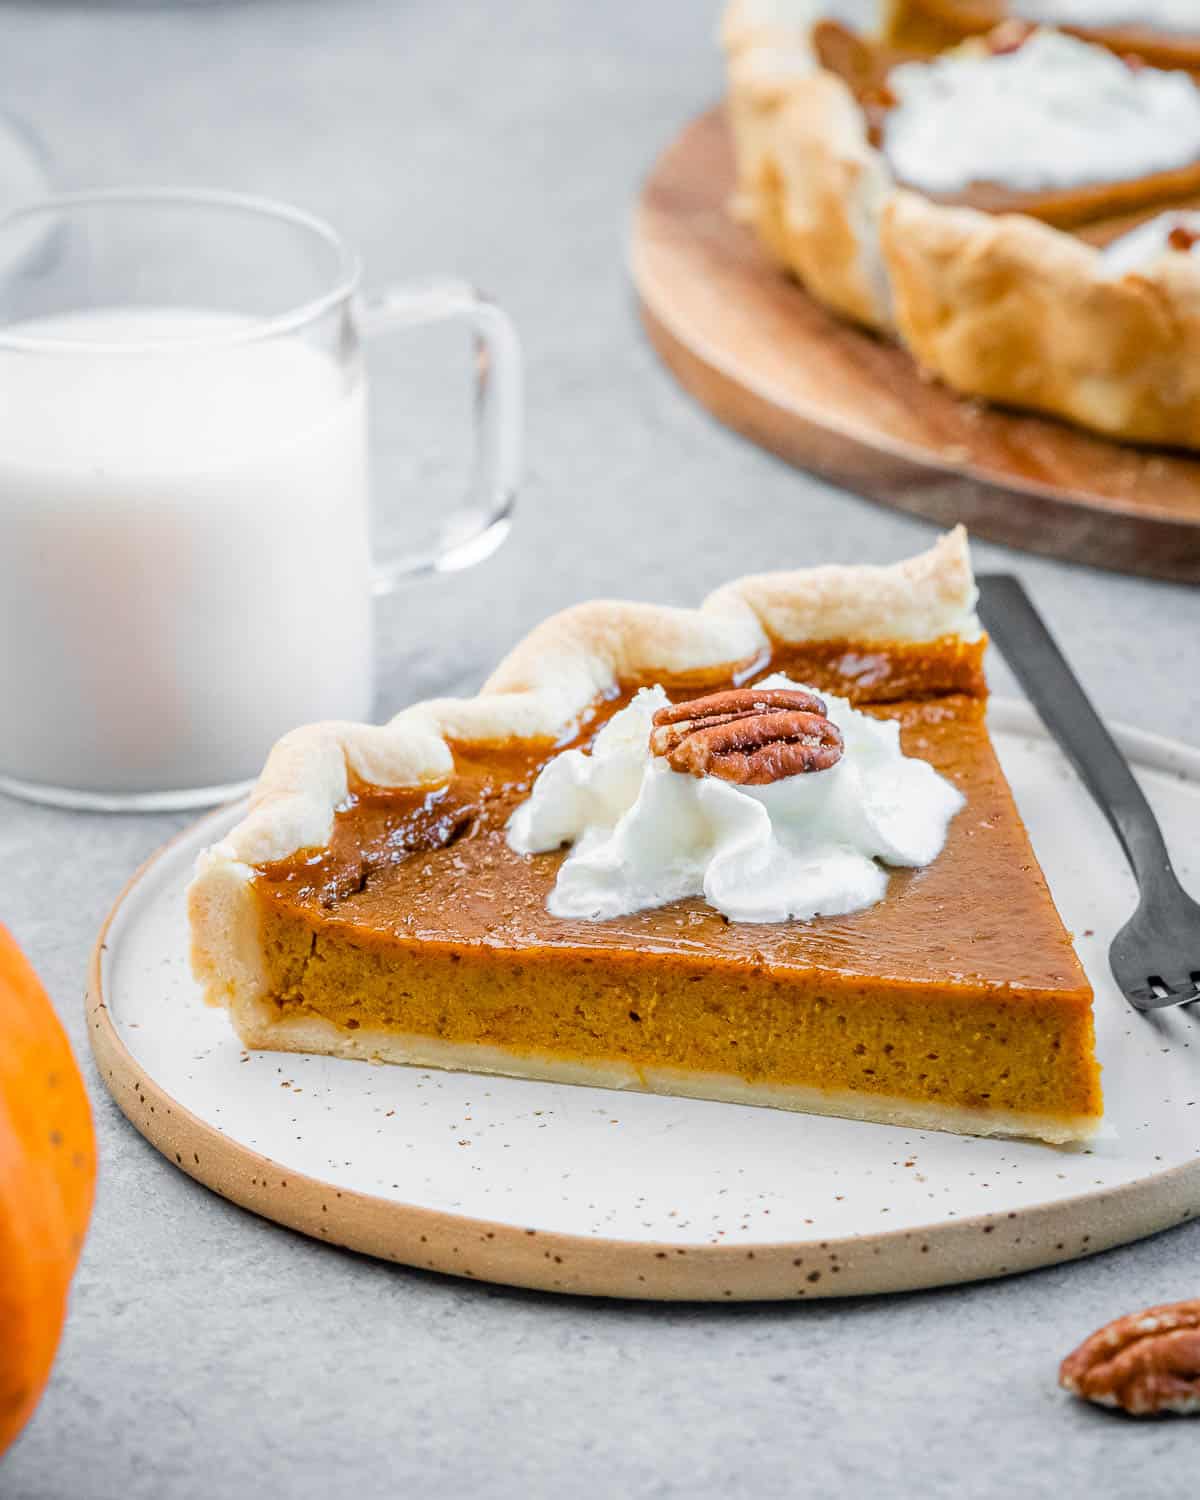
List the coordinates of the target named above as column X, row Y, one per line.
column 264, row 1026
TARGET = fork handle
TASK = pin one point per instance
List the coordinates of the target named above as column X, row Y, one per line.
column 1054, row 690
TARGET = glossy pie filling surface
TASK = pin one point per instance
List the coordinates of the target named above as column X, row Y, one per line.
column 960, row 988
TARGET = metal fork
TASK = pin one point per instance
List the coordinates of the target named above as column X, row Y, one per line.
column 1155, row 958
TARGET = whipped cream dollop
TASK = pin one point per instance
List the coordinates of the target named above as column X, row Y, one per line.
column 1056, row 113
column 643, row 834
column 1155, row 15
column 1141, row 247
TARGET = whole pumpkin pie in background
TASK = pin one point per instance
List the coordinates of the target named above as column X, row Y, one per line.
column 698, row 783
column 1017, row 209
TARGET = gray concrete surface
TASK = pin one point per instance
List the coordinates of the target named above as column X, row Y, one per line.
column 212, row 1355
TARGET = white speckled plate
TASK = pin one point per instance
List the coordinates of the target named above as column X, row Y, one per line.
column 586, row 1190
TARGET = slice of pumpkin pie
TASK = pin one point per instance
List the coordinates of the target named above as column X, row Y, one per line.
column 759, row 852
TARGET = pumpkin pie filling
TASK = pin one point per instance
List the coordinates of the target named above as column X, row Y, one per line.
column 958, row 993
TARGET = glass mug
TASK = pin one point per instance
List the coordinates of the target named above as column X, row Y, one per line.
column 185, row 569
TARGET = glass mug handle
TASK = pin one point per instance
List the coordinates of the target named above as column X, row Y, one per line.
column 478, row 526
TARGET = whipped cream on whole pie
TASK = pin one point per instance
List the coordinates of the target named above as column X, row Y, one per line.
column 1141, row 247
column 1055, row 113
column 765, row 829
column 1157, row 15
column 875, row 16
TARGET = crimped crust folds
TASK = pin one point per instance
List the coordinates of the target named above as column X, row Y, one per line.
column 1006, row 308
column 818, row 199
column 997, row 306
column 808, row 181
column 540, row 689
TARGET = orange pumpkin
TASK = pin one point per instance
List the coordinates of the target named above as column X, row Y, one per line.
column 47, row 1178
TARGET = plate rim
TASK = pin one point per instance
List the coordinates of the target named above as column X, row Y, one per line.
column 939, row 1254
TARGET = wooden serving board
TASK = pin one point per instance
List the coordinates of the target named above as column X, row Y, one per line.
column 632, row 1195
column 765, row 359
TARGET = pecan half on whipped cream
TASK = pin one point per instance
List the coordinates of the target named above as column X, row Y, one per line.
column 1146, row 1363
column 751, row 736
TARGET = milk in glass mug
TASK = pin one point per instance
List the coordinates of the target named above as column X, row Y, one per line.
column 185, row 569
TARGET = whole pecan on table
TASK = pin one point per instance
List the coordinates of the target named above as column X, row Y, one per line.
column 750, row 736
column 1146, row 1363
